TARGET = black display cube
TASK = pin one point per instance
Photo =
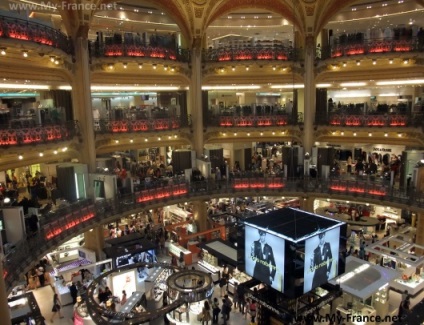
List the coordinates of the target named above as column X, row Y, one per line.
column 294, row 251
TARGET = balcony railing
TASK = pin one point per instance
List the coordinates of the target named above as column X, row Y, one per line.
column 369, row 120
column 65, row 223
column 139, row 125
column 372, row 46
column 253, row 120
column 259, row 53
column 37, row 134
column 140, row 51
column 33, row 32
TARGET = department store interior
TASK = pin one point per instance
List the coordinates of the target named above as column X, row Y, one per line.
column 149, row 149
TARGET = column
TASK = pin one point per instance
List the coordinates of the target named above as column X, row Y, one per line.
column 309, row 95
column 81, row 99
column 200, row 215
column 196, row 100
column 95, row 240
column 307, row 204
column 419, row 239
column 4, row 307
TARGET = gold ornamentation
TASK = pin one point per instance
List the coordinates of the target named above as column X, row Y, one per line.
column 198, row 12
column 310, row 10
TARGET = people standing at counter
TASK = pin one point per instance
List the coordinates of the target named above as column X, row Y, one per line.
column 206, row 314
column 74, row 292
column 215, row 311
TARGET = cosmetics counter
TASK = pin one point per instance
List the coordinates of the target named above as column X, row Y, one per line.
column 176, row 249
column 158, row 278
column 205, row 266
column 237, row 278
column 365, row 291
column 24, row 309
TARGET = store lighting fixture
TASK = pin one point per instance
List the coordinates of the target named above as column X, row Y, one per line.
column 125, row 65
column 261, row 134
column 358, row 62
column 354, row 134
column 41, row 154
column 234, row 87
column 172, row 69
column 248, row 134
column 116, row 141
column 64, row 149
column 386, row 135
column 20, row 157
column 288, row 86
column 165, row 67
column 131, row 140
column 26, row 86
column 55, row 152
column 52, row 59
column 400, row 135
column 110, row 66
column 247, row 68
column 323, row 85
column 374, row 61
column 274, row 68
column 342, row 133
column 353, row 84
column 25, row 54
column 145, row 140
column 344, row 64
column 159, row 139
column 175, row 136
column 154, row 66
column 406, row 61
column 400, row 82
column 390, row 61
column 56, row 62
column 370, row 134
column 133, row 88
column 3, row 51
column 140, row 65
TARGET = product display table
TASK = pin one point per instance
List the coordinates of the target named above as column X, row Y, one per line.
column 412, row 286
column 354, row 317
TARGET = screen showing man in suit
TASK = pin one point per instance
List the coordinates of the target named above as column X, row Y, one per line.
column 260, row 261
column 321, row 258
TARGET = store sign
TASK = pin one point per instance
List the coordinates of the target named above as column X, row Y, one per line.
column 267, row 306
column 383, row 149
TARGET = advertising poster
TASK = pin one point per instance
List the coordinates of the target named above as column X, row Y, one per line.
column 264, row 257
column 124, row 281
column 321, row 258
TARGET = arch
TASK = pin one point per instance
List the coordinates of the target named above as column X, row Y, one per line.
column 282, row 7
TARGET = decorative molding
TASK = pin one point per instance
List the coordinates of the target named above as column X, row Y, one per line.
column 309, row 10
column 198, row 13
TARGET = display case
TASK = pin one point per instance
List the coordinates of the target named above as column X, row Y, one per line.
column 181, row 314
column 237, row 278
column 176, row 249
column 413, row 284
column 62, row 289
column 213, row 270
column 158, row 277
column 380, row 303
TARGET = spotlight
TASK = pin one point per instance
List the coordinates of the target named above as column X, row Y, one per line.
column 20, row 157
column 386, row 135
column 125, row 65
column 55, row 152
column 41, row 154
column 116, row 141
column 354, row 134
column 52, row 59
column 390, row 61
column 64, row 149
column 233, row 68
column 247, row 68
column 25, row 54
column 3, row 51
column 358, row 62
column 131, row 140
column 165, row 67
column 154, row 66
column 370, row 134
column 56, row 62
column 172, row 69
column 344, row 64
column 374, row 61
column 140, row 65
column 406, row 61
column 110, row 66
column 274, row 68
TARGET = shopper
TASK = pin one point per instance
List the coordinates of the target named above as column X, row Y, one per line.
column 206, row 313
column 215, row 311
column 74, row 292
column 225, row 311
column 252, row 311
column 123, row 298
column 236, row 296
column 56, row 307
column 40, row 273
column 229, row 304
column 247, row 307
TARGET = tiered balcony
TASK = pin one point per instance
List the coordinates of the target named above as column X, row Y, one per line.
column 37, row 134
column 25, row 30
column 369, row 120
column 253, row 121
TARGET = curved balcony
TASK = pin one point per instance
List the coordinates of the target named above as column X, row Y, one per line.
column 80, row 217
column 250, row 121
column 352, row 47
column 139, row 51
column 369, row 120
column 257, row 52
column 37, row 134
column 139, row 125
column 25, row 30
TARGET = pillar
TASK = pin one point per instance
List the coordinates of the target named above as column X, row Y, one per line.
column 307, row 204
column 309, row 95
column 419, row 239
column 81, row 99
column 4, row 307
column 196, row 100
column 95, row 241
column 200, row 215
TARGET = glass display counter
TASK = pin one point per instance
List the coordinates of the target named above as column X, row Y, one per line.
column 238, row 277
column 63, row 292
column 209, row 268
column 413, row 284
column 357, row 315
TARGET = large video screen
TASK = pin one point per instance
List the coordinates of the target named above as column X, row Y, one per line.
column 264, row 257
column 321, row 258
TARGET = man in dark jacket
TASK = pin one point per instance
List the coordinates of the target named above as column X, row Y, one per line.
column 263, row 255
column 321, row 262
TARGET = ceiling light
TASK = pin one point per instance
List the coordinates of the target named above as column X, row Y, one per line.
column 323, row 85
column 247, row 68
column 288, row 86
column 233, row 68
column 400, row 135
column 165, row 67
column 406, row 61
column 374, row 61
column 274, row 68
column 55, row 152
column 175, row 136
column 25, row 54
column 154, row 66
column 52, row 59
column 358, row 62
column 386, row 135
column 145, row 140
column 64, row 149
column 261, row 134
column 24, row 86
column 3, row 51
column 344, row 64
column 390, row 61
column 235, row 134
column 116, row 141
column 56, row 62
column 172, row 69
column 400, row 82
column 342, row 133
column 110, row 66
column 20, row 157
column 140, row 65
column 125, row 65
column 159, row 139
column 370, row 134
column 353, row 84
column 41, row 154
column 248, row 134
column 230, row 87
column 354, row 134
column 131, row 140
